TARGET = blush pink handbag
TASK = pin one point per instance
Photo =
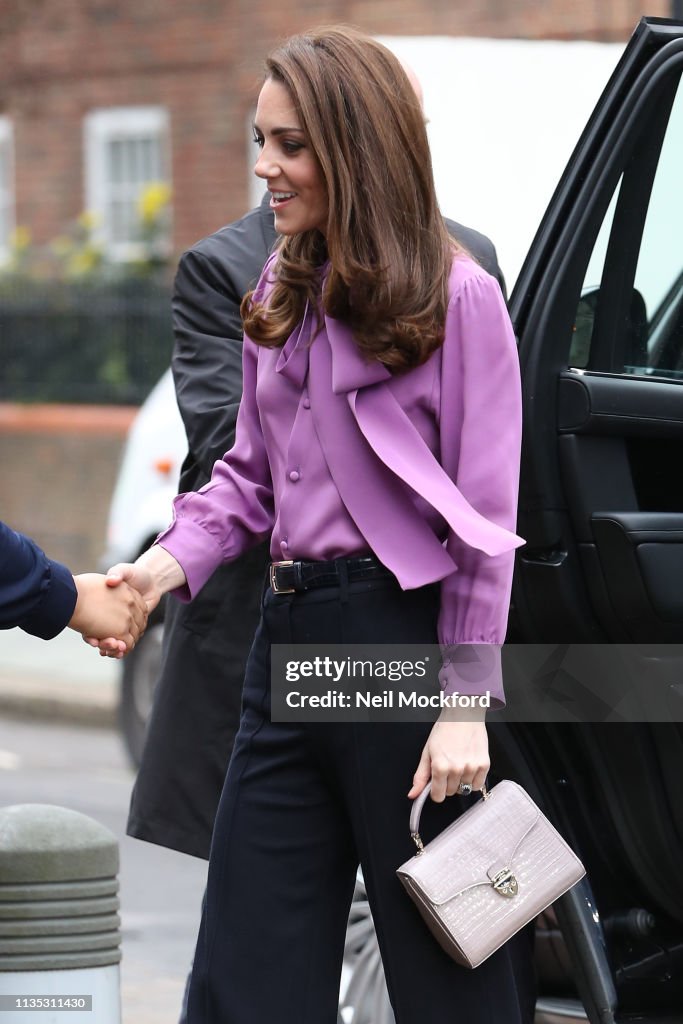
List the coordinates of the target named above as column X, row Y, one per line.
column 489, row 873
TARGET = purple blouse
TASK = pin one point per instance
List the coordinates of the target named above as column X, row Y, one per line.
column 334, row 456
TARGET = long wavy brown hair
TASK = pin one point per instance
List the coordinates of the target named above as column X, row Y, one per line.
column 388, row 249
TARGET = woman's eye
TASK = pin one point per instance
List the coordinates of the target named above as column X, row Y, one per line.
column 258, row 139
column 292, row 147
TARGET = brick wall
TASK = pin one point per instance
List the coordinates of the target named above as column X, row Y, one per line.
column 59, row 466
column 202, row 61
column 66, row 59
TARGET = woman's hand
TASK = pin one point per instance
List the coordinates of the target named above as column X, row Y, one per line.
column 154, row 573
column 136, row 575
column 455, row 752
column 120, row 614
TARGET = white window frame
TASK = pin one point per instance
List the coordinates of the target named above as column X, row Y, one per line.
column 7, row 190
column 100, row 127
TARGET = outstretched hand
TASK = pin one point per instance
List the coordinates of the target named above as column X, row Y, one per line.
column 124, row 577
column 136, row 575
column 101, row 612
column 154, row 573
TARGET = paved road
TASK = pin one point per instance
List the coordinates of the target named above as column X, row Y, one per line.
column 85, row 769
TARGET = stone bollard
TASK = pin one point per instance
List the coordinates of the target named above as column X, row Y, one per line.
column 59, row 923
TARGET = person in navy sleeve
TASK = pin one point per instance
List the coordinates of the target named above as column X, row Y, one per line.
column 42, row 597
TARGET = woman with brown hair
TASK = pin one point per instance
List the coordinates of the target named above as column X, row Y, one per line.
column 378, row 446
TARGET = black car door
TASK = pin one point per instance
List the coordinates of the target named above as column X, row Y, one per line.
column 598, row 310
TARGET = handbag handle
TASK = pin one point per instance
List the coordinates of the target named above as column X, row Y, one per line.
column 416, row 811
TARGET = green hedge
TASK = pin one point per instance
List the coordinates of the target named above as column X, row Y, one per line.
column 100, row 342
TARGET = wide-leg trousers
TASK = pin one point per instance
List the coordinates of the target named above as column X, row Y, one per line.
column 302, row 805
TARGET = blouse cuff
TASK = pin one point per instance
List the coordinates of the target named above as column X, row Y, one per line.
column 196, row 550
column 473, row 670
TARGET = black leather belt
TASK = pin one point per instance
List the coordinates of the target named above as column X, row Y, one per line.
column 290, row 577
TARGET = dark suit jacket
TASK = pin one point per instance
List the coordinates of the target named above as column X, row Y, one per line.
column 37, row 594
column 198, row 697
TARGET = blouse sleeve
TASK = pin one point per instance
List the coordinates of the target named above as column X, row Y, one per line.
column 235, row 510
column 480, row 428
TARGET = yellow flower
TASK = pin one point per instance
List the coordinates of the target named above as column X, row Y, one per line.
column 84, row 261
column 89, row 219
column 153, row 199
column 20, row 238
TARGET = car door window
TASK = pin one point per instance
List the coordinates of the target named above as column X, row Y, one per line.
column 659, row 274
column 579, row 353
column 650, row 341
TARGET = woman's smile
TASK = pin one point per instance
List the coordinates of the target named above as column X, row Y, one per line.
column 278, row 199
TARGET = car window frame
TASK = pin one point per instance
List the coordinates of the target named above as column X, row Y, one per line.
column 607, row 350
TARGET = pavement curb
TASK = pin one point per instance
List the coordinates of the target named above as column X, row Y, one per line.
column 51, row 699
column 52, row 709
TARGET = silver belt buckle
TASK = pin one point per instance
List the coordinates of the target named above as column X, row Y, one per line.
column 273, row 585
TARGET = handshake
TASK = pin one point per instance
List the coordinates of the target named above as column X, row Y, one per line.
column 111, row 611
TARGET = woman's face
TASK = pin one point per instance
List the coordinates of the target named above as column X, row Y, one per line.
column 287, row 164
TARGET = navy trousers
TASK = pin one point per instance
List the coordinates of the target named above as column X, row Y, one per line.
column 302, row 805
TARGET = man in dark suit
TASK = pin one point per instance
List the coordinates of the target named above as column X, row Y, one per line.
column 41, row 596
column 198, row 696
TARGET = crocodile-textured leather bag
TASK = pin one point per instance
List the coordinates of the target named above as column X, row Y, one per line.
column 489, row 873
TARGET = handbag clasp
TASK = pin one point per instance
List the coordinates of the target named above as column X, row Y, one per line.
column 505, row 883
